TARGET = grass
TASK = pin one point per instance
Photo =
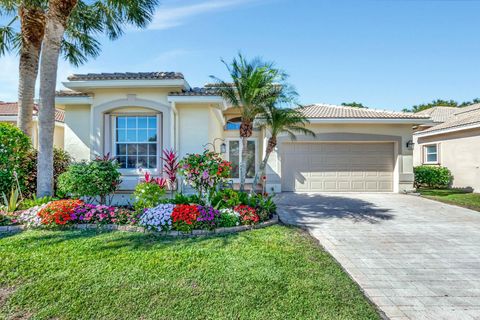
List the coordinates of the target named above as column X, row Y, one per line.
column 273, row 273
column 456, row 197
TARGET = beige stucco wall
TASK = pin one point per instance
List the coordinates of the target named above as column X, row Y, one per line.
column 397, row 133
column 77, row 131
column 458, row 151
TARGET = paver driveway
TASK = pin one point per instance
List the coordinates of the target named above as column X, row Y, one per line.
column 414, row 258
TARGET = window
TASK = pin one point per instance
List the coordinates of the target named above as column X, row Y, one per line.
column 136, row 141
column 234, row 153
column 431, row 154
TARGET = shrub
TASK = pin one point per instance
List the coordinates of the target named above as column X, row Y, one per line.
column 248, row 215
column 208, row 217
column 158, row 218
column 149, row 193
column 264, row 205
column 226, row 198
column 15, row 149
column 98, row 178
column 58, row 212
column 34, row 201
column 184, row 217
column 186, row 199
column 96, row 214
column 432, row 177
column 204, row 172
column 229, row 218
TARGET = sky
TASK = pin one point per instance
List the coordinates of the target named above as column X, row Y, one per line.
column 386, row 54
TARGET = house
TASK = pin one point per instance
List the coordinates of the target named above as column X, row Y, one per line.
column 133, row 116
column 452, row 141
column 9, row 114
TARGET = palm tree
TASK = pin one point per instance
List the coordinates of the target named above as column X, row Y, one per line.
column 110, row 16
column 280, row 121
column 77, row 45
column 253, row 85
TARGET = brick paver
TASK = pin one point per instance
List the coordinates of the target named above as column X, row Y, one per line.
column 414, row 258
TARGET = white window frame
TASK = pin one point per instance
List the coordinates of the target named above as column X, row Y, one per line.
column 425, row 154
column 227, row 155
column 113, row 121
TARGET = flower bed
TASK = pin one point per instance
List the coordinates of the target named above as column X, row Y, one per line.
column 182, row 215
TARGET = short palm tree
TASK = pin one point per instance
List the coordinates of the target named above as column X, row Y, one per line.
column 104, row 16
column 253, row 85
column 280, row 121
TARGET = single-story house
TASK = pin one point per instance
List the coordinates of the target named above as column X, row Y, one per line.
column 9, row 114
column 133, row 116
column 452, row 141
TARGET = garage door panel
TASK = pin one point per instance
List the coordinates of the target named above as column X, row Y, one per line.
column 337, row 167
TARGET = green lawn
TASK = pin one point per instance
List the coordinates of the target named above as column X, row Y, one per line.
column 456, row 197
column 272, row 273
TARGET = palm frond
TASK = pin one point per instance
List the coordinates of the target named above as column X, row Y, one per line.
column 8, row 38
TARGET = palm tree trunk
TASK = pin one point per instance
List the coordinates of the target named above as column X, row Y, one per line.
column 59, row 11
column 272, row 143
column 32, row 31
column 243, row 163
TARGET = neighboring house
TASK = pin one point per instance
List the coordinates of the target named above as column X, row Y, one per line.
column 133, row 116
column 453, row 141
column 9, row 114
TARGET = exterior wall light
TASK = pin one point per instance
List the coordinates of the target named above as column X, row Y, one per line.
column 223, row 146
column 410, row 145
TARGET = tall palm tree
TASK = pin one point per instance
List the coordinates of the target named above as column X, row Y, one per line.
column 280, row 121
column 110, row 16
column 253, row 85
column 77, row 45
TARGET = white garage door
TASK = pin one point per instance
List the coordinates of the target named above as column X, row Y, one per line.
column 337, row 167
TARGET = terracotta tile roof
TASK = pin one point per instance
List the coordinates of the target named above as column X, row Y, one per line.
column 439, row 114
column 327, row 111
column 463, row 117
column 127, row 76
column 196, row 92
column 71, row 93
column 11, row 109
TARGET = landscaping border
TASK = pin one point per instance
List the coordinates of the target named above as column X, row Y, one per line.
column 171, row 233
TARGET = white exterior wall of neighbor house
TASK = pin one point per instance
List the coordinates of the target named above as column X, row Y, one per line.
column 400, row 134
column 458, row 151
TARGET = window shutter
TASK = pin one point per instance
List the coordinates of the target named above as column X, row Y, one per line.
column 107, row 137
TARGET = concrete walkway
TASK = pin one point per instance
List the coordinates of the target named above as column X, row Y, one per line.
column 414, row 258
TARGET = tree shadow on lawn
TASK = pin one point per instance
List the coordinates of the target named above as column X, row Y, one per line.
column 130, row 240
column 313, row 209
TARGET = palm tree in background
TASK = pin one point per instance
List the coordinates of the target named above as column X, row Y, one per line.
column 252, row 87
column 105, row 15
column 280, row 121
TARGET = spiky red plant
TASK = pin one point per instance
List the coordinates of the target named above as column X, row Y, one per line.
column 170, row 165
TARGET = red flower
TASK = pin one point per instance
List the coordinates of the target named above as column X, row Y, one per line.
column 58, row 212
column 248, row 215
column 185, row 213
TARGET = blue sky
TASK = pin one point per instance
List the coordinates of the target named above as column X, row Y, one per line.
column 386, row 54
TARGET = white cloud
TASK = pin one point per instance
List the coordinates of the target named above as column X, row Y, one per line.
column 174, row 14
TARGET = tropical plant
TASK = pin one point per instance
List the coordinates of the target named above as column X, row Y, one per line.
column 97, row 178
column 254, row 84
column 149, row 193
column 280, row 121
column 12, row 202
column 204, row 172
column 34, row 201
column 170, row 167
column 108, row 17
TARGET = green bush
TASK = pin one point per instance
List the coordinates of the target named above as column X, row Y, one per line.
column 15, row 149
column 147, row 195
column 180, row 198
column 61, row 161
column 432, row 177
column 97, row 178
